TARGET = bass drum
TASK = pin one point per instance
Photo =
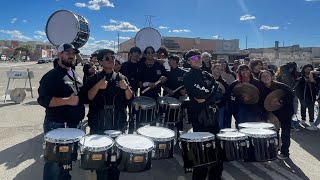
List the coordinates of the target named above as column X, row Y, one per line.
column 148, row 37
column 64, row 26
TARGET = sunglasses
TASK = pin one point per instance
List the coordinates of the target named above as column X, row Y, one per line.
column 195, row 58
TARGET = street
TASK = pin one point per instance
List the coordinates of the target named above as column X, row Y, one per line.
column 21, row 153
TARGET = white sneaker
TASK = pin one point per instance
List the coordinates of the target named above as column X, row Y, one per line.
column 312, row 127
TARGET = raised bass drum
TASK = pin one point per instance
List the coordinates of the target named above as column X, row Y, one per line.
column 148, row 37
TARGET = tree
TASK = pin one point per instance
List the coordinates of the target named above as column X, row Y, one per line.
column 25, row 49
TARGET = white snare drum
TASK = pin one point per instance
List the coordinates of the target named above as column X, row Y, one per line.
column 257, row 125
column 143, row 111
column 225, row 130
column 113, row 133
column 96, row 152
column 234, row 145
column 61, row 144
column 163, row 139
column 64, row 26
column 134, row 152
column 148, row 37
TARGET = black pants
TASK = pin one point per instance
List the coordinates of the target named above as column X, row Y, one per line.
column 214, row 172
column 304, row 106
column 285, row 136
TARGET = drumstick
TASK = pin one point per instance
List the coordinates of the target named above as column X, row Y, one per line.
column 175, row 90
column 148, row 88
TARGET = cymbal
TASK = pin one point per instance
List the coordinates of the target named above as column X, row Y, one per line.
column 272, row 101
column 247, row 92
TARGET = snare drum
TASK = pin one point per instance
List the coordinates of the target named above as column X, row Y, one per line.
column 169, row 109
column 64, row 26
column 198, row 149
column 225, row 130
column 163, row 139
column 257, row 125
column 262, row 144
column 96, row 152
column 185, row 106
column 134, row 153
column 234, row 145
column 61, row 144
column 143, row 111
column 112, row 133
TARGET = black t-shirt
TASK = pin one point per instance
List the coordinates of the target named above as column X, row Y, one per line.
column 130, row 70
column 58, row 83
column 151, row 74
column 175, row 80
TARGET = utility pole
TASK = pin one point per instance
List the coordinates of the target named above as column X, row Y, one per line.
column 118, row 42
column 246, row 42
column 148, row 20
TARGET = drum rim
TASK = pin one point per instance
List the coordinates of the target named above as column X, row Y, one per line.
column 165, row 97
column 184, row 98
column 115, row 131
column 135, row 37
column 152, row 105
column 160, row 139
column 197, row 140
column 229, row 130
column 95, row 149
column 68, row 141
column 264, row 124
column 136, row 151
column 274, row 133
column 222, row 136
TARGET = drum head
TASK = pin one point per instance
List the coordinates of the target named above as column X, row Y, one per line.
column 134, row 143
column 144, row 102
column 64, row 135
column 258, row 133
column 169, row 101
column 148, row 37
column 96, row 141
column 256, row 125
column 231, row 136
column 228, row 130
column 157, row 133
column 197, row 137
column 62, row 27
column 112, row 133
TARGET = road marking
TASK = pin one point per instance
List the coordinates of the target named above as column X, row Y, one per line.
column 245, row 170
column 227, row 176
column 283, row 171
column 272, row 174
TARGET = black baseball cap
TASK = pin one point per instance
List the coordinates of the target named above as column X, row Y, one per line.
column 65, row 46
column 192, row 52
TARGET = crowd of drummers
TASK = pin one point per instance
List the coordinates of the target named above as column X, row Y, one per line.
column 135, row 106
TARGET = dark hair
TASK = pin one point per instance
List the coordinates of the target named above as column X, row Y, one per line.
column 305, row 67
column 255, row 63
column 227, row 69
column 149, row 47
column 174, row 57
column 163, row 50
column 117, row 61
column 192, row 52
column 246, row 59
column 135, row 49
column 103, row 52
column 264, row 71
column 241, row 68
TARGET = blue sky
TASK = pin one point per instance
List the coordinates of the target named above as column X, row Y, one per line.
column 262, row 21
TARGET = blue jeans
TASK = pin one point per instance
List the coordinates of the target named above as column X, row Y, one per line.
column 54, row 170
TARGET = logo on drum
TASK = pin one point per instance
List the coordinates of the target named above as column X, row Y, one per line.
column 208, row 145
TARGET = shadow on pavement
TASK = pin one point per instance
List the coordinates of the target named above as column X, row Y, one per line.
column 31, row 103
column 291, row 167
column 7, row 104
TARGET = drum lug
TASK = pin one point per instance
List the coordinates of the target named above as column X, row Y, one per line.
column 252, row 142
column 72, row 148
column 221, row 144
column 118, row 154
column 146, row 157
column 248, row 144
column 169, row 146
column 106, row 155
column 213, row 145
column 44, row 145
column 55, row 149
column 180, row 145
column 276, row 141
column 202, row 145
column 188, row 147
column 131, row 156
column 78, row 154
column 237, row 144
column 268, row 143
column 153, row 152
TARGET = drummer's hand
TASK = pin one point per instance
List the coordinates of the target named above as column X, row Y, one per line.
column 163, row 79
column 200, row 100
column 152, row 85
column 123, row 84
column 73, row 100
column 102, row 84
column 183, row 92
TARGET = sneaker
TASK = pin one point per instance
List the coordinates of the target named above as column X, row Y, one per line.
column 312, row 127
column 303, row 122
column 282, row 156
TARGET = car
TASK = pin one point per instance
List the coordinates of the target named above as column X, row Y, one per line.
column 43, row 60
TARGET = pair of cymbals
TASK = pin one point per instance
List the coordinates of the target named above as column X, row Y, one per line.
column 248, row 93
column 273, row 100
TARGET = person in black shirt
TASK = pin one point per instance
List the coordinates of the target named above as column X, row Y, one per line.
column 59, row 93
column 206, row 62
column 256, row 67
column 131, row 68
column 201, row 88
column 90, row 68
column 151, row 72
column 108, row 93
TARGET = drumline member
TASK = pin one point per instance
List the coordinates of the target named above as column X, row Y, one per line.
column 90, row 68
column 151, row 72
column 130, row 68
column 286, row 111
column 108, row 93
column 59, row 92
column 78, row 60
column 244, row 112
column 201, row 88
column 221, row 97
column 206, row 62
column 117, row 65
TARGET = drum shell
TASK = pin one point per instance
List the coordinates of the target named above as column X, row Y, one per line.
column 198, row 153
column 262, row 149
column 67, row 153
column 144, row 116
column 131, row 162
column 87, row 161
column 232, row 150
column 163, row 149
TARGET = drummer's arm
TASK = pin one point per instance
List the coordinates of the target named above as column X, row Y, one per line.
column 312, row 74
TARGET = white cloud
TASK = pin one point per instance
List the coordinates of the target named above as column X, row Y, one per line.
column 247, row 17
column 80, row 4
column 265, row 27
column 91, row 38
column 125, row 38
column 90, row 47
column 179, row 30
column 120, row 26
column 289, row 23
column 312, row 0
column 15, row 34
column 163, row 27
column 14, row 20
column 215, row 37
column 24, row 21
column 41, row 33
column 96, row 4
column 37, row 37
